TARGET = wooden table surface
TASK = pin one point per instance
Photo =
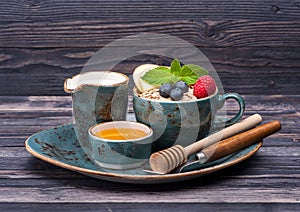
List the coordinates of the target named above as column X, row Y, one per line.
column 254, row 46
column 269, row 179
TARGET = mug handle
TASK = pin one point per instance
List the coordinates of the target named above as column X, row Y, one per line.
column 238, row 116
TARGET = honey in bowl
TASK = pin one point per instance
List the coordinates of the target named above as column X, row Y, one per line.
column 120, row 144
column 120, row 133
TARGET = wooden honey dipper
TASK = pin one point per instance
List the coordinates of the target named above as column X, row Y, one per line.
column 237, row 142
column 166, row 160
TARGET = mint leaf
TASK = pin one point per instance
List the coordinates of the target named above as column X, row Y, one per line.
column 188, row 76
column 159, row 76
column 175, row 67
column 190, row 80
column 189, row 73
column 198, row 70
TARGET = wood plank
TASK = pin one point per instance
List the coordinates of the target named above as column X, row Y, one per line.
column 244, row 83
column 146, row 10
column 41, row 177
column 33, row 103
column 255, row 70
column 264, row 103
column 71, row 60
column 166, row 207
column 267, row 81
column 241, row 33
column 213, row 190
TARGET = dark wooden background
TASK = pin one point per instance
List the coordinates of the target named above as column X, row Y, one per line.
column 252, row 44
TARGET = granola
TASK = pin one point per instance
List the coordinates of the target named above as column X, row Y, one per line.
column 154, row 94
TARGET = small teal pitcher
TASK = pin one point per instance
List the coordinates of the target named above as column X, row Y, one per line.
column 98, row 96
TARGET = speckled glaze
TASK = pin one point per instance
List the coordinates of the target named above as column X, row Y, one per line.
column 182, row 122
column 121, row 154
column 95, row 103
column 59, row 146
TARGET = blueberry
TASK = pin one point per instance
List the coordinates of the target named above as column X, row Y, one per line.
column 176, row 94
column 165, row 90
column 182, row 85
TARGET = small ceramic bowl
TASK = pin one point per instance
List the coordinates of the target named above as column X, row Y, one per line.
column 124, row 153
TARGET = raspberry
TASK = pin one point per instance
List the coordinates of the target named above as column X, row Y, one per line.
column 204, row 87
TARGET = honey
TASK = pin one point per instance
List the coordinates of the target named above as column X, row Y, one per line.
column 121, row 134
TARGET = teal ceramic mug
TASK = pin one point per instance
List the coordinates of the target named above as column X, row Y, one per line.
column 178, row 122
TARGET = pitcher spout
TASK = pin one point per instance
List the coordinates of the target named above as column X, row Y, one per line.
column 67, row 86
column 75, row 83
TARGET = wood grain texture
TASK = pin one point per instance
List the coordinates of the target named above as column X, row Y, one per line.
column 146, row 10
column 253, row 45
column 166, row 207
column 228, row 33
column 32, row 180
column 28, row 183
column 244, row 70
column 43, row 42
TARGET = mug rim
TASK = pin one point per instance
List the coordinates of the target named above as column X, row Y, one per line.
column 136, row 140
column 177, row 102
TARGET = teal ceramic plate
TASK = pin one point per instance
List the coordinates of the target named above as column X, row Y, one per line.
column 60, row 147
